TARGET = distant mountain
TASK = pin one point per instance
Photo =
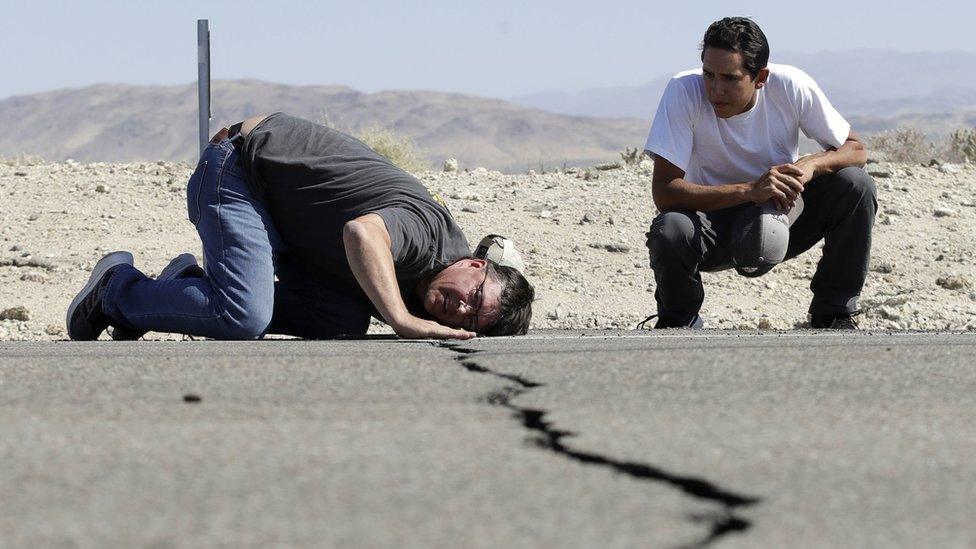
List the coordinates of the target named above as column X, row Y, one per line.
column 113, row 122
column 863, row 84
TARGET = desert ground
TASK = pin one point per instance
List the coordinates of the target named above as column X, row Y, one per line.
column 580, row 231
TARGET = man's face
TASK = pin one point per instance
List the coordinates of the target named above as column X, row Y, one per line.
column 731, row 89
column 452, row 296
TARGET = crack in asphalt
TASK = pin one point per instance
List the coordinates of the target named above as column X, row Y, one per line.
column 548, row 437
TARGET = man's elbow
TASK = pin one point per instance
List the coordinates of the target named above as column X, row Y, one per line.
column 354, row 232
column 663, row 199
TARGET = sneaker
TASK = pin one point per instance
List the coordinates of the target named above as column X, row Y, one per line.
column 85, row 319
column 181, row 266
column 839, row 321
column 695, row 323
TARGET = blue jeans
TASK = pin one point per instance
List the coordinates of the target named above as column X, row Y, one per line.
column 239, row 298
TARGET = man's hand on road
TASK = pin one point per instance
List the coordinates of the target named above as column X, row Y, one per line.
column 418, row 328
column 781, row 184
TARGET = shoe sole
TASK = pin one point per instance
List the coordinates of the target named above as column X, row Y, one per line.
column 176, row 267
column 104, row 264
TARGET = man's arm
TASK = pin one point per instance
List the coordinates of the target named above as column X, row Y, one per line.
column 851, row 153
column 672, row 192
column 367, row 244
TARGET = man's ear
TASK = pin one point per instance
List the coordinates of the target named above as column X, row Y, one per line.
column 477, row 262
column 761, row 77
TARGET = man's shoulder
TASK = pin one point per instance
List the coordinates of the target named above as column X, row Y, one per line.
column 789, row 76
column 685, row 85
column 688, row 77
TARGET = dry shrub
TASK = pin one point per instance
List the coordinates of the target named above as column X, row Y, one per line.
column 905, row 144
column 962, row 145
column 400, row 150
column 22, row 160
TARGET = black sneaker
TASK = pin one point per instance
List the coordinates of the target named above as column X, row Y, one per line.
column 839, row 321
column 695, row 323
column 181, row 266
column 85, row 319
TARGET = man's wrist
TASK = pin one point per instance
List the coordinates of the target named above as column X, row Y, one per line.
column 744, row 192
column 400, row 320
column 812, row 165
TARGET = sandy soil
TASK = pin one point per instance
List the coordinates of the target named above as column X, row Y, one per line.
column 581, row 233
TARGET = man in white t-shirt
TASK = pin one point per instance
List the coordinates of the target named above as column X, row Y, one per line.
column 734, row 191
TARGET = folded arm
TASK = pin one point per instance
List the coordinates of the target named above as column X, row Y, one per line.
column 671, row 191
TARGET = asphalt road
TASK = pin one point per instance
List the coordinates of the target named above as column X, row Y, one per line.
column 575, row 439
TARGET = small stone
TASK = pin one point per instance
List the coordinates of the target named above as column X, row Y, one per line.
column 101, row 189
column 954, row 282
column 54, row 330
column 949, row 168
column 20, row 174
column 883, row 267
column 765, row 324
column 587, row 218
column 15, row 313
column 33, row 277
column 556, row 313
column 33, row 217
column 591, row 175
column 888, row 313
column 191, row 398
column 471, row 208
column 545, row 214
column 16, row 248
column 450, row 165
column 944, row 212
column 880, row 174
column 611, row 247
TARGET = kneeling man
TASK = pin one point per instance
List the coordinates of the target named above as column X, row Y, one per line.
column 347, row 234
column 733, row 191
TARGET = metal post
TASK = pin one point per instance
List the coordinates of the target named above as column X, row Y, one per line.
column 203, row 79
column 203, row 89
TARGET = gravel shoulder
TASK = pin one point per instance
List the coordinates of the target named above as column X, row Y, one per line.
column 581, row 232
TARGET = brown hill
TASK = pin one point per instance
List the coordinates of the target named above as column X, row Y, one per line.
column 112, row 122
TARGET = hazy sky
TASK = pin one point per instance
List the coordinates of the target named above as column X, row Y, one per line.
column 498, row 48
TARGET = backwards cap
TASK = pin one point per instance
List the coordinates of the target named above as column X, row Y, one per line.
column 500, row 250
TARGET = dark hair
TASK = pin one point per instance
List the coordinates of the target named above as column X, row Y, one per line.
column 741, row 35
column 516, row 301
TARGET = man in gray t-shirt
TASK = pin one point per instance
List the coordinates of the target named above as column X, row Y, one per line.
column 346, row 233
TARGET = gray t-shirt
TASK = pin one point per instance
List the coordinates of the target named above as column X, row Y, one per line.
column 314, row 179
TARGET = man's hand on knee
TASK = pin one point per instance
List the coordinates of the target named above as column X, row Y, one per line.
column 781, row 184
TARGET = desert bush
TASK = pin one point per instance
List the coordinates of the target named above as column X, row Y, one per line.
column 905, row 144
column 398, row 149
column 962, row 145
column 22, row 160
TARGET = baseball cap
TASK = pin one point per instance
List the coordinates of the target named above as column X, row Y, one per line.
column 761, row 237
column 500, row 250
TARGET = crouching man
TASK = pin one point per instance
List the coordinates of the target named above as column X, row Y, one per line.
column 732, row 190
column 347, row 234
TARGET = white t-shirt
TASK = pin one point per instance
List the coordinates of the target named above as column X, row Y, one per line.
column 714, row 151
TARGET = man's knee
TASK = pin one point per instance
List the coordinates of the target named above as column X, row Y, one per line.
column 247, row 320
column 857, row 181
column 672, row 234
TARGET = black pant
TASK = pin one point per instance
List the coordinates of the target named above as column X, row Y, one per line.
column 839, row 208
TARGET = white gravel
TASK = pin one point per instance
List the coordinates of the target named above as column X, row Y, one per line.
column 582, row 237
